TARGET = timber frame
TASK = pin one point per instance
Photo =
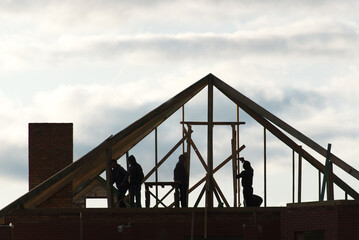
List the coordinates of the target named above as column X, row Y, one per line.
column 85, row 170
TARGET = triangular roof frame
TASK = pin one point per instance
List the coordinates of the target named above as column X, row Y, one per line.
column 87, row 168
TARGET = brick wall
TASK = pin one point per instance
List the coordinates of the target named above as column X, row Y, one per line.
column 50, row 150
column 174, row 224
column 313, row 218
column 338, row 219
column 348, row 221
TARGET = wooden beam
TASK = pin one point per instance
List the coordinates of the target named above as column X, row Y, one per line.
column 164, row 158
column 236, row 97
column 214, row 170
column 234, row 166
column 244, row 101
column 206, row 168
column 216, row 186
column 209, row 193
column 327, row 171
column 188, row 161
column 214, row 123
column 237, row 157
column 299, row 179
column 293, row 176
column 156, row 163
column 265, row 165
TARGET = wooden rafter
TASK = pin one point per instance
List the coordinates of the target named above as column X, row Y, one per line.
column 254, row 111
column 238, row 97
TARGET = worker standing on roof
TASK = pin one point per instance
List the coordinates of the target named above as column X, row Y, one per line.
column 180, row 176
column 120, row 177
column 135, row 179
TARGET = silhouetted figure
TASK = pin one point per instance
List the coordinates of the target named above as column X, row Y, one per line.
column 180, row 176
column 120, row 177
column 250, row 200
column 135, row 179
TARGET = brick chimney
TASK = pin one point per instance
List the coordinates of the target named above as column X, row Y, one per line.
column 50, row 150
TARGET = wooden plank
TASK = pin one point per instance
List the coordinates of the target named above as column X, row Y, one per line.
column 293, row 175
column 265, row 165
column 234, row 166
column 237, row 157
column 238, row 97
column 209, row 193
column 299, row 179
column 188, row 161
column 156, row 163
column 214, row 123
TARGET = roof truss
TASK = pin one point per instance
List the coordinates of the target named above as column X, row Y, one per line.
column 83, row 171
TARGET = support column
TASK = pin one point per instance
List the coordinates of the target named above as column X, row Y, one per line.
column 156, row 162
column 327, row 175
column 319, row 181
column 330, row 192
column 237, row 161
column 265, row 166
column 188, row 156
column 234, row 166
column 183, row 127
column 293, row 176
column 110, row 203
column 299, row 178
column 209, row 196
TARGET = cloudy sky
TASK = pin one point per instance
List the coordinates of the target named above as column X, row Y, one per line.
column 104, row 64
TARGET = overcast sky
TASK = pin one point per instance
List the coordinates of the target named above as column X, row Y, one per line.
column 104, row 64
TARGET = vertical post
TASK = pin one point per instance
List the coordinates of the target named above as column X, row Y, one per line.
column 319, row 182
column 265, row 166
column 237, row 160
column 183, row 127
column 299, row 178
column 330, row 192
column 234, row 166
column 293, row 176
column 188, row 156
column 209, row 195
column 156, row 162
column 147, row 196
column 110, row 203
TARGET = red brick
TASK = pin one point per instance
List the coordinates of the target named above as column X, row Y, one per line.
column 50, row 150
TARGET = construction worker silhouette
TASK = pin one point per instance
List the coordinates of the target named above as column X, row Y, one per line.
column 250, row 200
column 180, row 176
column 120, row 177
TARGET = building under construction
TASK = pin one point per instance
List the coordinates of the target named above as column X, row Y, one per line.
column 55, row 206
